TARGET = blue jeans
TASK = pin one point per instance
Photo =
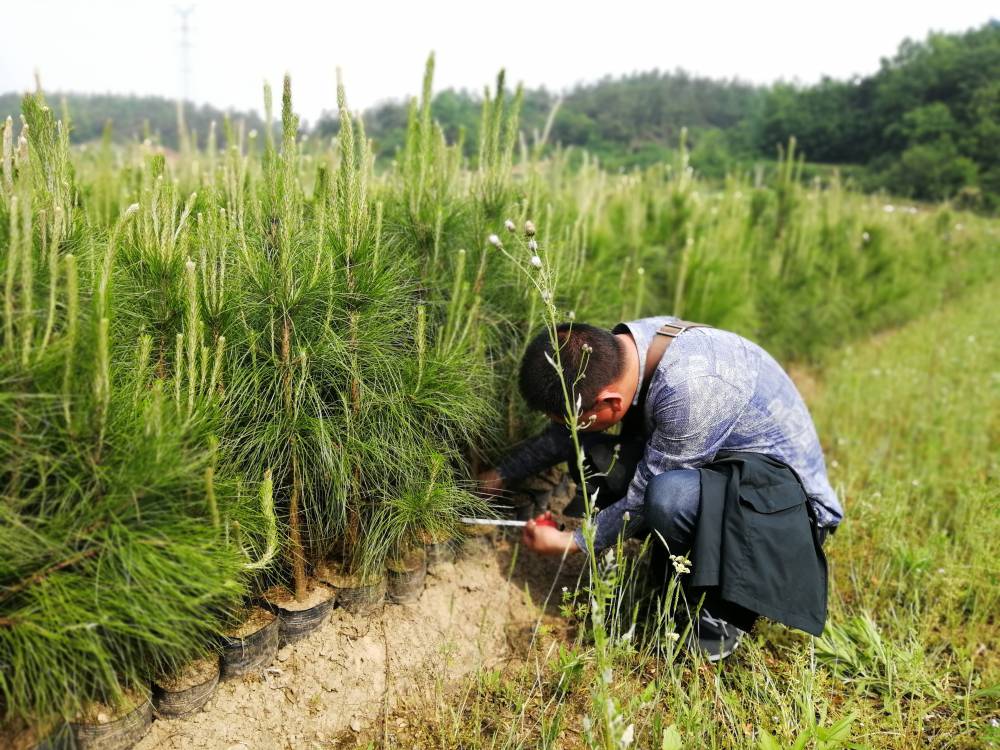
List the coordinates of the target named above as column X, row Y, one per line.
column 671, row 508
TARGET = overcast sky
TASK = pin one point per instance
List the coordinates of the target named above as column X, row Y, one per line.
column 135, row 47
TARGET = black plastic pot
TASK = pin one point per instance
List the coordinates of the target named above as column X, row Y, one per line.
column 363, row 598
column 119, row 734
column 406, row 584
column 248, row 653
column 439, row 553
column 477, row 539
column 298, row 623
column 176, row 703
column 357, row 595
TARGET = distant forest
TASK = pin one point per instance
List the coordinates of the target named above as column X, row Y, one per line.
column 926, row 125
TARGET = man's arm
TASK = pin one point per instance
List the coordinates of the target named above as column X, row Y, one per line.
column 550, row 447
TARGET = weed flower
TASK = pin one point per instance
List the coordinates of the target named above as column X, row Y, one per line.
column 510, row 225
column 571, row 315
column 532, row 245
column 865, row 236
column 529, row 228
column 672, row 637
column 681, row 564
column 494, row 240
column 536, row 261
column 628, row 735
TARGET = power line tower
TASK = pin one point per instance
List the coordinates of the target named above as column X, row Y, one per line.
column 184, row 47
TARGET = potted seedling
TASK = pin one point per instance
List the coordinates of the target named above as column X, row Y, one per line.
column 307, row 606
column 360, row 586
column 440, row 549
column 186, row 690
column 252, row 640
column 427, row 509
column 251, row 644
column 117, row 724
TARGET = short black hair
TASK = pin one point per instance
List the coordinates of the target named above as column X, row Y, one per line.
column 539, row 381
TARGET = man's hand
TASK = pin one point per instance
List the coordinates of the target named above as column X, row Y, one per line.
column 490, row 483
column 545, row 539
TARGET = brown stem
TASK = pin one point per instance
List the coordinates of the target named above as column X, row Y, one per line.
column 295, row 551
column 295, row 536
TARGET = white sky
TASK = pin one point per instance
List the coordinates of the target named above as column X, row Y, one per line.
column 134, row 47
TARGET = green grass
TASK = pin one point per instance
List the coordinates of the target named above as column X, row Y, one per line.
column 911, row 423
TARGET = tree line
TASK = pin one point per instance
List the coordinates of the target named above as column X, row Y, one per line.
column 925, row 125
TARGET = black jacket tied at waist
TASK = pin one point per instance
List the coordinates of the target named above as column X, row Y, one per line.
column 756, row 550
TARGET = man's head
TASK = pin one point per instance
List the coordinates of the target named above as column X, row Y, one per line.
column 600, row 389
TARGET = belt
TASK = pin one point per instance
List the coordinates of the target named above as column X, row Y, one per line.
column 665, row 336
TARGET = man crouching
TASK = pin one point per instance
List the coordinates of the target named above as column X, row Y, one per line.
column 717, row 457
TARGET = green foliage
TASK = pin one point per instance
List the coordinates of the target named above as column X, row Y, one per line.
column 256, row 349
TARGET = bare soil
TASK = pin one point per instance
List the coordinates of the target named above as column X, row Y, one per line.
column 342, row 682
column 257, row 619
column 317, row 593
column 103, row 713
column 194, row 673
column 330, row 573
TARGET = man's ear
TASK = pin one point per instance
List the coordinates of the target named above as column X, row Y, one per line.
column 611, row 397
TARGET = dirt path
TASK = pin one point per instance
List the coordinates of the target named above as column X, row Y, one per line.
column 336, row 684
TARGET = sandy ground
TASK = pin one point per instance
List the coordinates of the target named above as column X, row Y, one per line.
column 344, row 679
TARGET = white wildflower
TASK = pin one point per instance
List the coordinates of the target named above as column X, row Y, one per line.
column 672, row 637
column 510, row 226
column 628, row 735
column 681, row 564
column 536, row 261
column 494, row 240
column 529, row 228
column 888, row 208
column 532, row 245
column 959, row 227
column 865, row 236
column 587, row 348
column 546, row 296
column 571, row 315
column 640, row 270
